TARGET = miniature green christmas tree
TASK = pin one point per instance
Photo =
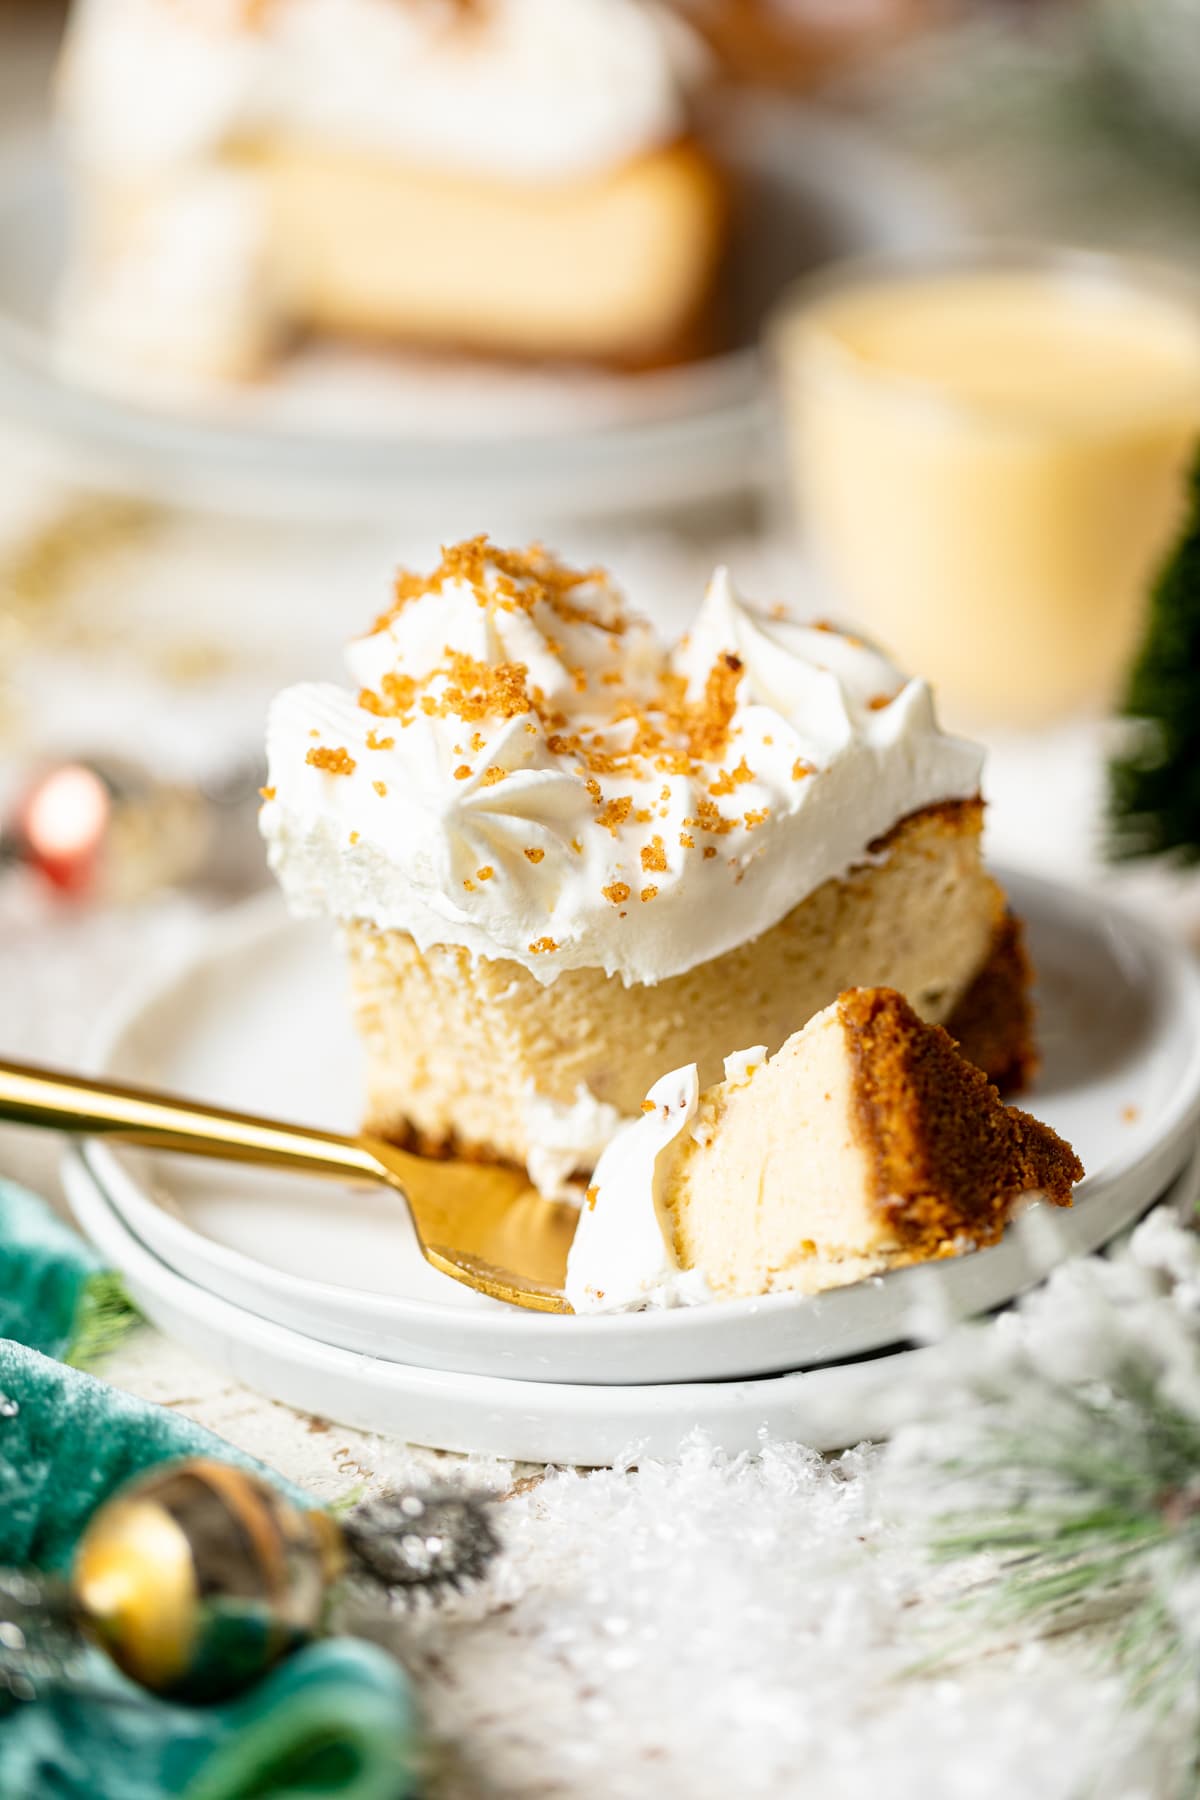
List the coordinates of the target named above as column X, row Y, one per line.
column 1154, row 784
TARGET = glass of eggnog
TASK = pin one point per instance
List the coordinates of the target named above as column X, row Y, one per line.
column 986, row 457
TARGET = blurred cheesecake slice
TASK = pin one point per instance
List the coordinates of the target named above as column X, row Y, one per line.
column 867, row 1143
column 517, row 178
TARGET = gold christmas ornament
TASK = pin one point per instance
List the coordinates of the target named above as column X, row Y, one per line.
column 198, row 1577
column 201, row 1577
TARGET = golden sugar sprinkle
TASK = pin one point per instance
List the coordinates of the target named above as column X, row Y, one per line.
column 509, row 581
column 729, row 779
column 710, row 818
column 671, row 731
column 396, row 697
column 615, row 813
column 334, row 762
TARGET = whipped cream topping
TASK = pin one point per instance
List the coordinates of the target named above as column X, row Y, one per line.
column 528, row 90
column 563, row 1139
column 623, row 1254
column 622, row 1257
column 525, row 771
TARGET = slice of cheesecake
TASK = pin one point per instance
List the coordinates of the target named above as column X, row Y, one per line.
column 866, row 1143
column 519, row 179
column 565, row 855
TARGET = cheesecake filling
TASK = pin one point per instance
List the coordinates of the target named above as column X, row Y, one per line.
column 522, row 769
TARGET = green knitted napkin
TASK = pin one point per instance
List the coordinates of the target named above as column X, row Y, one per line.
column 334, row 1722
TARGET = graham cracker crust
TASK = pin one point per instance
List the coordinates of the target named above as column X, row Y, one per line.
column 949, row 1157
column 993, row 1023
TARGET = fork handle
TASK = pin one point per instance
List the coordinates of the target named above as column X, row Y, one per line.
column 53, row 1101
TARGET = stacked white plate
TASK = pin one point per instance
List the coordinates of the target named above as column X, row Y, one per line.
column 317, row 1295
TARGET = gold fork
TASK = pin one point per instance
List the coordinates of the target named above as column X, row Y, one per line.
column 478, row 1222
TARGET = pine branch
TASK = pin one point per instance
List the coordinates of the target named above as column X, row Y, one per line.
column 103, row 1319
column 1087, row 1502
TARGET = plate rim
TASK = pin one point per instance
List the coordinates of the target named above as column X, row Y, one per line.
column 242, row 928
column 881, row 1388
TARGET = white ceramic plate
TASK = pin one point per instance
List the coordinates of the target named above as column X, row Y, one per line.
column 442, row 441
column 258, row 1020
column 526, row 1421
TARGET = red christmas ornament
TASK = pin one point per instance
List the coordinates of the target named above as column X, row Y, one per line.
column 61, row 825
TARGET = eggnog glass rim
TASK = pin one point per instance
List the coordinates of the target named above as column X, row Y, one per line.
column 798, row 351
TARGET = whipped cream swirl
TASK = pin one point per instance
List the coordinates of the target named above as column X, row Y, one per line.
column 524, row 90
column 623, row 1254
column 622, row 1257
column 527, row 772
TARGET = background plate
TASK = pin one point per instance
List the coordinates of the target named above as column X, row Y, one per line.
column 258, row 1019
column 524, row 1421
column 414, row 438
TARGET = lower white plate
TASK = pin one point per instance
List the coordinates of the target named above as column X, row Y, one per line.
column 258, row 1019
column 522, row 1421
